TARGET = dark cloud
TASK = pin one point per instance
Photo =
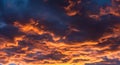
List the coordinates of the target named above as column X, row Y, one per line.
column 59, row 31
column 10, row 31
column 107, row 62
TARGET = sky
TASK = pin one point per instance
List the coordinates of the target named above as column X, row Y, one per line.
column 59, row 32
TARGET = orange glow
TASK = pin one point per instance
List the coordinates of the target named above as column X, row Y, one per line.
column 69, row 9
column 78, row 53
column 114, row 9
column 77, row 34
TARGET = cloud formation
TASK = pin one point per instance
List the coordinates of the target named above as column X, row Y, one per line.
column 64, row 32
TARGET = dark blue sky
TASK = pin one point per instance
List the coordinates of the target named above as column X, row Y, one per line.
column 51, row 16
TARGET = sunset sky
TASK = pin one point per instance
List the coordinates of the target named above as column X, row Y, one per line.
column 59, row 32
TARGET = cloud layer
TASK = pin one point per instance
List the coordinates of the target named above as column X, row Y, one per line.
column 63, row 32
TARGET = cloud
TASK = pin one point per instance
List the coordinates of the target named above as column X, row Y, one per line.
column 107, row 62
column 61, row 32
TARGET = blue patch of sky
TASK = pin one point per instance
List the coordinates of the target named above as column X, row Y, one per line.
column 102, row 2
